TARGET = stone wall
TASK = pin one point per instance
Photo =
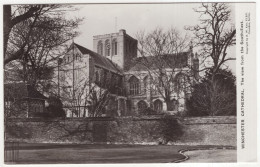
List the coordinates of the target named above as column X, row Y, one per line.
column 209, row 131
column 128, row 130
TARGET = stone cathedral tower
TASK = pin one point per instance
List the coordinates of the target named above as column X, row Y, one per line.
column 118, row 47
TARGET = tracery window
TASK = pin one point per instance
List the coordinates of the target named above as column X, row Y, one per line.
column 174, row 105
column 181, row 82
column 134, row 85
column 141, row 106
column 158, row 105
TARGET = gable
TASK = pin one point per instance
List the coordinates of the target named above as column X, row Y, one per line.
column 99, row 60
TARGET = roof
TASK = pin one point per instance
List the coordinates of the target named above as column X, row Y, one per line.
column 21, row 90
column 100, row 60
column 179, row 60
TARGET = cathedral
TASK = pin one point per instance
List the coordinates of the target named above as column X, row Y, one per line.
column 112, row 80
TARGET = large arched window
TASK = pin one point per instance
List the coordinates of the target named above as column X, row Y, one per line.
column 114, row 47
column 134, row 86
column 100, row 48
column 181, row 82
column 141, row 106
column 173, row 105
column 158, row 105
column 107, row 49
column 145, row 80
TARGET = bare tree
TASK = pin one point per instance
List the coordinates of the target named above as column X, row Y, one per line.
column 162, row 55
column 43, row 38
column 214, row 35
column 98, row 101
column 26, row 24
column 90, row 96
column 10, row 20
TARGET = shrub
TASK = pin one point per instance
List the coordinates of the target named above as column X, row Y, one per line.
column 54, row 110
column 148, row 111
column 170, row 129
column 213, row 95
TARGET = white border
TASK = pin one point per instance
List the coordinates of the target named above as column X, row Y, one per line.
column 136, row 1
column 249, row 118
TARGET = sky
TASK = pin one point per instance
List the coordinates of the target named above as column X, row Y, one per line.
column 102, row 19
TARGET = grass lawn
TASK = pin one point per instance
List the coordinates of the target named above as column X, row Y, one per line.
column 79, row 153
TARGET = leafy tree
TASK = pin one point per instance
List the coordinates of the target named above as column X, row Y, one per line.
column 170, row 129
column 214, row 98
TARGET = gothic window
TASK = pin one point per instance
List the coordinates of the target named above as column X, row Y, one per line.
column 158, row 105
column 35, row 107
column 100, row 48
column 174, row 105
column 180, row 81
column 114, row 47
column 141, row 106
column 107, row 49
column 145, row 84
column 134, row 85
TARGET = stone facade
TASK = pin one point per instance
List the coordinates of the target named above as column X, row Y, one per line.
column 113, row 65
column 84, row 75
column 118, row 47
column 148, row 94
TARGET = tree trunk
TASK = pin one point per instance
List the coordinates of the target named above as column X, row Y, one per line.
column 168, row 103
column 212, row 94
